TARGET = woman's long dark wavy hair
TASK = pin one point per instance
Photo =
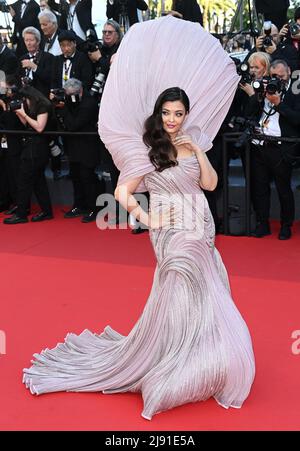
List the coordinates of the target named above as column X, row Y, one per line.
column 162, row 152
column 36, row 98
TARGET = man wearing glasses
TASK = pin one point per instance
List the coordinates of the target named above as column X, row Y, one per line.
column 111, row 38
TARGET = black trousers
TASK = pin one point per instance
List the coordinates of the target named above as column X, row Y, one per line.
column 4, row 191
column 109, row 164
column 55, row 163
column 31, row 179
column 267, row 163
column 86, row 185
column 13, row 167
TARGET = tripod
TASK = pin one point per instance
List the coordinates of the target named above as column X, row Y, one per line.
column 4, row 9
column 123, row 16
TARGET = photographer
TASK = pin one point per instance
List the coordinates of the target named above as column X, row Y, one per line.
column 259, row 67
column 24, row 14
column 71, row 64
column 75, row 15
column 268, row 40
column 9, row 63
column 36, row 65
column 101, row 56
column 289, row 48
column 11, row 145
column 80, row 114
column 278, row 114
column 35, row 113
column 125, row 11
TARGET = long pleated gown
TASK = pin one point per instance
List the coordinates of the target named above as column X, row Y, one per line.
column 190, row 342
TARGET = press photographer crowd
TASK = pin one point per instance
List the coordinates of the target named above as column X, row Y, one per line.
column 54, row 71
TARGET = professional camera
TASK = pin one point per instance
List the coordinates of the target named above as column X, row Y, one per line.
column 259, row 85
column 72, row 99
column 4, row 8
column 294, row 28
column 268, row 41
column 243, row 70
column 246, row 126
column 267, row 31
column 15, row 100
column 274, row 85
column 98, row 84
column 269, row 85
column 59, row 95
column 91, row 44
column 26, row 81
column 15, row 104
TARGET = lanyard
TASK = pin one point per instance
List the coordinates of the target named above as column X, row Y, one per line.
column 67, row 69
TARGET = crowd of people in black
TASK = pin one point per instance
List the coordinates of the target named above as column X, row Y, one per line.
column 53, row 80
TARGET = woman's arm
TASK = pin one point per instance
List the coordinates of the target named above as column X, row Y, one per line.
column 38, row 125
column 208, row 176
column 124, row 195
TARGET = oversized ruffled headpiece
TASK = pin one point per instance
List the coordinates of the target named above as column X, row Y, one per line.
column 153, row 56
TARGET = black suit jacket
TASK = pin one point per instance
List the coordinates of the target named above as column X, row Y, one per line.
column 8, row 62
column 42, row 76
column 113, row 11
column 29, row 19
column 83, row 11
column 81, row 69
column 287, row 52
column 269, row 6
column 82, row 118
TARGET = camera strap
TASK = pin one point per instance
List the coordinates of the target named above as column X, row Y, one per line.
column 67, row 69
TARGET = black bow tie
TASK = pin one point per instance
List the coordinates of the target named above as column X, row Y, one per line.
column 68, row 59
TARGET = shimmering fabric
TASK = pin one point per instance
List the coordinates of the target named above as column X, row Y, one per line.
column 153, row 56
column 190, row 342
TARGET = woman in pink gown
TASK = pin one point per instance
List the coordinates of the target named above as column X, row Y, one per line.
column 190, row 342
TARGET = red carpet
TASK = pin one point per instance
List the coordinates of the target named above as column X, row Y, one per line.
column 61, row 276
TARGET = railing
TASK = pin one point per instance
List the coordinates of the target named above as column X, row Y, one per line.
column 227, row 138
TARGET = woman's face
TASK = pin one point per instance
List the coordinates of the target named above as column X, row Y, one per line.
column 173, row 115
column 258, row 69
